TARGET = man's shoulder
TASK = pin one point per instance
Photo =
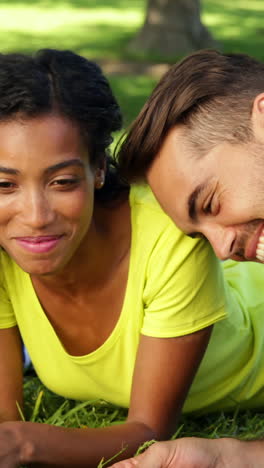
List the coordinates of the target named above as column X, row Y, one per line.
column 144, row 203
column 153, row 227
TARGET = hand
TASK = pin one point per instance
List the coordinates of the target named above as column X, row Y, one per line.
column 10, row 445
column 189, row 453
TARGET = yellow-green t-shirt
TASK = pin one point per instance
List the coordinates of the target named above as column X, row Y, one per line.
column 175, row 287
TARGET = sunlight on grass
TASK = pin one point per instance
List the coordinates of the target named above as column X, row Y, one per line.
column 236, row 25
column 97, row 32
column 103, row 28
column 37, row 19
column 252, row 5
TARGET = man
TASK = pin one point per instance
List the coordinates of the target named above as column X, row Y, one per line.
column 199, row 142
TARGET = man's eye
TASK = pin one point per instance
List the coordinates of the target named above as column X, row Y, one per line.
column 196, row 235
column 212, row 207
column 208, row 209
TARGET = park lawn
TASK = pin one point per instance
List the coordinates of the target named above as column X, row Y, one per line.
column 131, row 92
column 103, row 28
column 102, row 31
column 43, row 406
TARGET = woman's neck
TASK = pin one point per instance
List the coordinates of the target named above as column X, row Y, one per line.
column 99, row 255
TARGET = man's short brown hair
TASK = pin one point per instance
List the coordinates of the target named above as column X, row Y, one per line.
column 210, row 93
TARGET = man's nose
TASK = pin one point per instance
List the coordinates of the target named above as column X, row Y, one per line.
column 37, row 210
column 222, row 240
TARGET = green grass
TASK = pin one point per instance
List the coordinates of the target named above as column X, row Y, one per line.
column 101, row 29
column 96, row 29
column 42, row 405
column 237, row 25
column 131, row 92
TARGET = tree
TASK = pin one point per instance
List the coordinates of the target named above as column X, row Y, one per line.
column 171, row 28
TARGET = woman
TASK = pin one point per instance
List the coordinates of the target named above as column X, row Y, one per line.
column 110, row 298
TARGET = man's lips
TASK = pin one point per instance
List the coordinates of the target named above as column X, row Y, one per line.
column 38, row 244
column 253, row 245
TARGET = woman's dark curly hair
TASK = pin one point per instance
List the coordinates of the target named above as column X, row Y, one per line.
column 72, row 86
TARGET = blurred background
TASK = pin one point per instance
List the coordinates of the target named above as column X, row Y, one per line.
column 133, row 40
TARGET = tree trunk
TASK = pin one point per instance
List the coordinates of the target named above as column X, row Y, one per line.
column 172, row 28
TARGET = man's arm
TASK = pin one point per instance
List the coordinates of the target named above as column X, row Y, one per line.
column 191, row 452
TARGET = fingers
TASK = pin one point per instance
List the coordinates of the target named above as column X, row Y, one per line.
column 153, row 457
column 129, row 463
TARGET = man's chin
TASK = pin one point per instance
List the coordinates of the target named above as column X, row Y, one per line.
column 240, row 258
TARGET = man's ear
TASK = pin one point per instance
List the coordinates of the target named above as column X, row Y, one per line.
column 258, row 117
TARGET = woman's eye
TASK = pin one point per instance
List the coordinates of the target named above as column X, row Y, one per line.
column 65, row 182
column 5, row 185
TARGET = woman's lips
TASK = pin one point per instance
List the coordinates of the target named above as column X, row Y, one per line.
column 41, row 244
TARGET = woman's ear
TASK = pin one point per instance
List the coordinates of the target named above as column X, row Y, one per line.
column 99, row 177
column 258, row 117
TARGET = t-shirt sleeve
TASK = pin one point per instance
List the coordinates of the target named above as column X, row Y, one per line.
column 184, row 288
column 7, row 316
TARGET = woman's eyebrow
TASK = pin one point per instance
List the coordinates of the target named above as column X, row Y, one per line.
column 50, row 169
column 9, row 170
column 192, row 201
column 64, row 164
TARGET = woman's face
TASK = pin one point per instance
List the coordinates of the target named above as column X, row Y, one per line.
column 46, row 192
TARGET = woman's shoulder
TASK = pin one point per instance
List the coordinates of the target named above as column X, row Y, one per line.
column 8, row 267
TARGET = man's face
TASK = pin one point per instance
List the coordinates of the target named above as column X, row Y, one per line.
column 219, row 195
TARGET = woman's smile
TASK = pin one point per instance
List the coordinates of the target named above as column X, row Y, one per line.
column 41, row 244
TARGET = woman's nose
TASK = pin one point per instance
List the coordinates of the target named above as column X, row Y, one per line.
column 37, row 210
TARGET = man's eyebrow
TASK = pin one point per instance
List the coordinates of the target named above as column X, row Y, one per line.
column 64, row 164
column 192, row 200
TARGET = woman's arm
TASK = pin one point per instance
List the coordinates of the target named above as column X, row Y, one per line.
column 11, row 374
column 165, row 368
column 163, row 373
